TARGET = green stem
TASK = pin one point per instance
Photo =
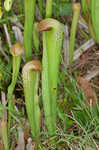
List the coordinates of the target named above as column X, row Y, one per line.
column 16, row 51
column 40, row 3
column 36, row 38
column 84, row 6
column 1, row 12
column 30, row 74
column 91, row 29
column 29, row 6
column 76, row 8
column 48, row 8
column 94, row 17
column 52, row 43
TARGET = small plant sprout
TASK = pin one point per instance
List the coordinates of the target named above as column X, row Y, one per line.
column 31, row 77
column 52, row 44
column 8, row 4
column 76, row 10
column 16, row 51
column 29, row 6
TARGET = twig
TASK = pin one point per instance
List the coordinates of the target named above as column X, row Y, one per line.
column 83, row 48
column 4, row 102
column 66, row 45
column 17, row 23
column 7, row 35
column 92, row 75
column 3, row 98
column 95, row 144
column 18, row 34
column 73, row 1
column 83, row 26
column 38, row 14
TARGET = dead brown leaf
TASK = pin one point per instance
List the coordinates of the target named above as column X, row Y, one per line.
column 26, row 135
column 88, row 91
column 30, row 145
column 1, row 145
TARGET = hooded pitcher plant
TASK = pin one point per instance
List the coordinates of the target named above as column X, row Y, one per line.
column 8, row 4
column 1, row 12
column 76, row 12
column 29, row 6
column 31, row 77
column 52, row 44
column 16, row 51
column 95, row 17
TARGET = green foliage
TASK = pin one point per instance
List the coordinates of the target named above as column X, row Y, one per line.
column 62, row 8
column 85, row 119
column 5, row 71
column 88, row 121
column 65, row 119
